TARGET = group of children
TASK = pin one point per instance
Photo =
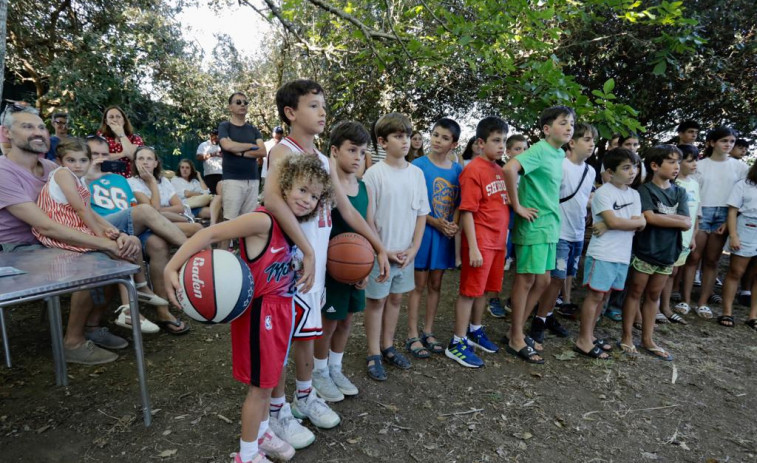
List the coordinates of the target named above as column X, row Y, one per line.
column 412, row 211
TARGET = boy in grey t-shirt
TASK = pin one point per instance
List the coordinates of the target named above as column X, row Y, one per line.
column 616, row 210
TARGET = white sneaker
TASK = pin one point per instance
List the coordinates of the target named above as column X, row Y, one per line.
column 341, row 381
column 315, row 409
column 272, row 446
column 124, row 321
column 258, row 458
column 288, row 428
column 325, row 387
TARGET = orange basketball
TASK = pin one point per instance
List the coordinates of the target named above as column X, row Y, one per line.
column 350, row 258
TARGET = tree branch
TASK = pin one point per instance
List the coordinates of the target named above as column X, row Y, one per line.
column 367, row 32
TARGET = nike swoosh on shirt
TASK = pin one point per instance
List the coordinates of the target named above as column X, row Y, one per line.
column 617, row 208
column 275, row 250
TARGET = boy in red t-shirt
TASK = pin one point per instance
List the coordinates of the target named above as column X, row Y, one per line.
column 484, row 216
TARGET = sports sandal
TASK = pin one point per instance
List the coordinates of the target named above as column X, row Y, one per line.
column 614, row 314
column 658, row 352
column 704, row 311
column 752, row 323
column 391, row 355
column 660, row 319
column 376, row 371
column 675, row 318
column 527, row 339
column 682, row 308
column 595, row 352
column 527, row 353
column 727, row 321
column 603, row 344
column 435, row 347
column 417, row 352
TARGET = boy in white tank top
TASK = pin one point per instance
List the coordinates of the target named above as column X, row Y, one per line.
column 301, row 105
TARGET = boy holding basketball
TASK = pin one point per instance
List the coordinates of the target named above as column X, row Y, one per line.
column 301, row 105
column 349, row 142
column 399, row 205
column 484, row 216
column 260, row 336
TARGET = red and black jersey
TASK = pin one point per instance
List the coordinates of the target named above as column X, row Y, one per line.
column 272, row 270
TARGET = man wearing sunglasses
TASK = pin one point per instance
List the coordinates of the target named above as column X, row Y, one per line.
column 241, row 146
column 60, row 127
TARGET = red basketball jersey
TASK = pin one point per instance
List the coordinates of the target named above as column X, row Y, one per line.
column 272, row 270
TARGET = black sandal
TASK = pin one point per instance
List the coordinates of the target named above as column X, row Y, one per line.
column 752, row 324
column 595, row 352
column 603, row 344
column 724, row 320
column 391, row 355
column 675, row 318
column 435, row 347
column 527, row 353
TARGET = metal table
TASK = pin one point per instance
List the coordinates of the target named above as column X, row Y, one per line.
column 53, row 272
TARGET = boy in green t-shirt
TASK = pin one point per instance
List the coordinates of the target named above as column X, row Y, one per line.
column 536, row 202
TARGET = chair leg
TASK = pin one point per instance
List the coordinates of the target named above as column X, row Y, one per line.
column 6, row 346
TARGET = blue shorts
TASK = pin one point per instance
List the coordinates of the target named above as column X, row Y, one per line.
column 712, row 218
column 400, row 281
column 125, row 224
column 603, row 276
column 567, row 258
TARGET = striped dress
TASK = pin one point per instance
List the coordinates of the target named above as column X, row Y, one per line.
column 53, row 202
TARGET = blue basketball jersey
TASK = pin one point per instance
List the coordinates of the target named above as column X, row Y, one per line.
column 111, row 193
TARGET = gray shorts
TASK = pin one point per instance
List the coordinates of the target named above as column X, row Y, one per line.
column 400, row 281
column 123, row 221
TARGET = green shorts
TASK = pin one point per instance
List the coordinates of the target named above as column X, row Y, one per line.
column 682, row 257
column 342, row 299
column 535, row 258
column 650, row 269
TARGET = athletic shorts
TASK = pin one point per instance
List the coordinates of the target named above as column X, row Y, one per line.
column 567, row 258
column 535, row 259
column 603, row 276
column 239, row 197
column 712, row 218
column 307, row 314
column 682, row 257
column 475, row 281
column 260, row 340
column 650, row 269
column 123, row 221
column 212, row 182
column 400, row 281
column 746, row 228
column 342, row 299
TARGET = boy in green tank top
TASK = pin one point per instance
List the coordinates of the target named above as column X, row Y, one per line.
column 349, row 142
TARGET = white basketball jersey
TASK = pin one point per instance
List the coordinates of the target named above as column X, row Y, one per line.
column 318, row 229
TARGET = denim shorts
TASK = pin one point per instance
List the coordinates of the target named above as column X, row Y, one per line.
column 603, row 276
column 746, row 228
column 566, row 260
column 125, row 224
column 712, row 218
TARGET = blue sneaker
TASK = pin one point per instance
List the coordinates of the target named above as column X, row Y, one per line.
column 479, row 339
column 495, row 308
column 461, row 353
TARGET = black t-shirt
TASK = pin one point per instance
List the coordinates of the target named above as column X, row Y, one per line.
column 236, row 167
column 658, row 245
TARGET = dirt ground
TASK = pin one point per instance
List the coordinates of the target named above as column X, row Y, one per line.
column 699, row 408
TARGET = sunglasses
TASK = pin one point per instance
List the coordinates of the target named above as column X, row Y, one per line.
column 242, row 102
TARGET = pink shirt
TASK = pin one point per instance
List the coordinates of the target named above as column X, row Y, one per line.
column 18, row 186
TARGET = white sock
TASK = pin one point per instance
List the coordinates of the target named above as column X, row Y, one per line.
column 320, row 364
column 544, row 319
column 548, row 315
column 456, row 338
column 247, row 450
column 335, row 359
column 472, row 327
column 303, row 388
column 276, row 404
column 263, row 428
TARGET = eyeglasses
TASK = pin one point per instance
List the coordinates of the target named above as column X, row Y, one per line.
column 242, row 102
column 96, row 137
column 15, row 107
column 60, row 122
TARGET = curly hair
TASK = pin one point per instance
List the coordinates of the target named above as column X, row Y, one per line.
column 308, row 168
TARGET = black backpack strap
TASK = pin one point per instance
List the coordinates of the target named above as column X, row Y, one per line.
column 583, row 177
